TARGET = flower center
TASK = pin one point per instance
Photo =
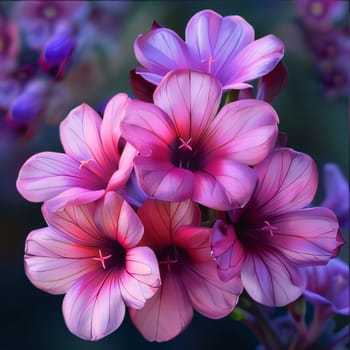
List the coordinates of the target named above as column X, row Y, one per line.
column 316, row 8
column 170, row 257
column 49, row 11
column 111, row 256
column 185, row 155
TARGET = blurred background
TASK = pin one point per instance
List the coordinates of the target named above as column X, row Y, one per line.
column 313, row 111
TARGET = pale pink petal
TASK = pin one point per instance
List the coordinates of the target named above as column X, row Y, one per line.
column 227, row 251
column 162, row 180
column 224, row 185
column 166, row 314
column 160, row 51
column 76, row 223
column 53, row 262
column 305, row 236
column 214, row 40
column 161, row 219
column 191, row 100
column 287, row 180
column 110, row 128
column 270, row 279
column 244, row 130
column 255, row 60
column 80, row 135
column 147, row 128
column 46, row 174
column 118, row 221
column 140, row 280
column 121, row 176
column 195, row 241
column 73, row 196
column 93, row 307
column 209, row 295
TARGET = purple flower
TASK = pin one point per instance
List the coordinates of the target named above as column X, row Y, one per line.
column 89, row 253
column 337, row 194
column 221, row 46
column 9, row 44
column 274, row 235
column 39, row 19
column 187, row 151
column 92, row 163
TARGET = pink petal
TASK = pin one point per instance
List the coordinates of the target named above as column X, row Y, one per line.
column 162, row 180
column 80, row 135
column 110, row 127
column 93, row 307
column 287, row 180
column 305, row 236
column 210, row 36
column 209, row 295
column 161, row 219
column 227, row 251
column 75, row 222
column 160, row 51
column 53, row 262
column 147, row 128
column 118, row 221
column 166, row 314
column 255, row 60
column 270, row 279
column 73, row 196
column 140, row 280
column 191, row 100
column 224, row 185
column 244, row 130
column 46, row 174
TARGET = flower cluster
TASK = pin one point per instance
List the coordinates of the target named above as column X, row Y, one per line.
column 327, row 34
column 186, row 198
column 40, row 43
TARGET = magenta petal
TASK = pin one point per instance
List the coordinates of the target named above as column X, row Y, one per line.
column 166, row 314
column 191, row 100
column 224, row 185
column 53, row 262
column 110, row 128
column 73, row 196
column 93, row 307
column 244, row 130
column 227, row 251
column 140, row 280
column 80, row 135
column 209, row 295
column 306, row 236
column 162, row 180
column 287, row 180
column 147, row 128
column 270, row 279
column 214, row 40
column 255, row 60
column 47, row 174
column 160, row 51
column 118, row 221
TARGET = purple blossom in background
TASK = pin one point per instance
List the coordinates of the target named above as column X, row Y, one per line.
column 273, row 235
column 90, row 253
column 213, row 44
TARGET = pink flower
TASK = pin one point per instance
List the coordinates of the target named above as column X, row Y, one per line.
column 90, row 253
column 187, row 151
column 274, row 235
column 213, row 44
column 91, row 165
column 188, row 272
